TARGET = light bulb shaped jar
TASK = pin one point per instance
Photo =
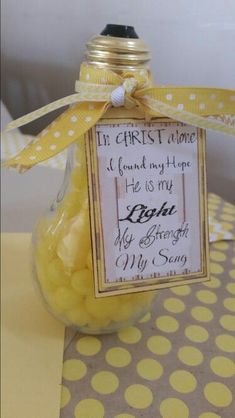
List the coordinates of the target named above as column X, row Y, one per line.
column 62, row 258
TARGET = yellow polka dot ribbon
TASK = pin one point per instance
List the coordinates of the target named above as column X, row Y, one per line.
column 99, row 89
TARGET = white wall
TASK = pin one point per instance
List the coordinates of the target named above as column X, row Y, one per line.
column 192, row 42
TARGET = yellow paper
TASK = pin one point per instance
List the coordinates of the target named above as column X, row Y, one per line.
column 32, row 340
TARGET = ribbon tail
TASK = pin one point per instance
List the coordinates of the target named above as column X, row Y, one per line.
column 156, row 107
column 65, row 130
column 36, row 114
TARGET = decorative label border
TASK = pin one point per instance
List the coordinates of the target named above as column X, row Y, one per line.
column 102, row 289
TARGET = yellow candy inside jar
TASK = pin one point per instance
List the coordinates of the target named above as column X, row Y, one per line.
column 63, row 264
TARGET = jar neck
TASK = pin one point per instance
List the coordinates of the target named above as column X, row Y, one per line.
column 117, row 54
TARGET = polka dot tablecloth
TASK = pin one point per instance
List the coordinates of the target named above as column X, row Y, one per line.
column 177, row 362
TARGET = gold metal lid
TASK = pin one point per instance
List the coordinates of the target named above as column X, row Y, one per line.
column 116, row 53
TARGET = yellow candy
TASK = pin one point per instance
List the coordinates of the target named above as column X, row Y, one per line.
column 46, row 285
column 78, row 316
column 82, row 282
column 142, row 299
column 102, row 308
column 125, row 298
column 44, row 252
column 89, row 261
column 74, row 246
column 56, row 273
column 52, row 302
column 41, row 265
column 124, row 313
column 66, row 298
column 64, row 263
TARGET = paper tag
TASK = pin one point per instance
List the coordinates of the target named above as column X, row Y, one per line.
column 147, row 194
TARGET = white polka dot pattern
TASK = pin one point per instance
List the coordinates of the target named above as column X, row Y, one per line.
column 188, row 105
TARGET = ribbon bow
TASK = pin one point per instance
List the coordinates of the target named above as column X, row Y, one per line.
column 99, row 89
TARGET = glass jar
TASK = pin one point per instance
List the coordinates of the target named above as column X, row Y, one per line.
column 62, row 260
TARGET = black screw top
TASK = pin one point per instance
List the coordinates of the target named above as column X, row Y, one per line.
column 120, row 31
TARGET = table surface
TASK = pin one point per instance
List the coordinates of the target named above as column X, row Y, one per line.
column 176, row 362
